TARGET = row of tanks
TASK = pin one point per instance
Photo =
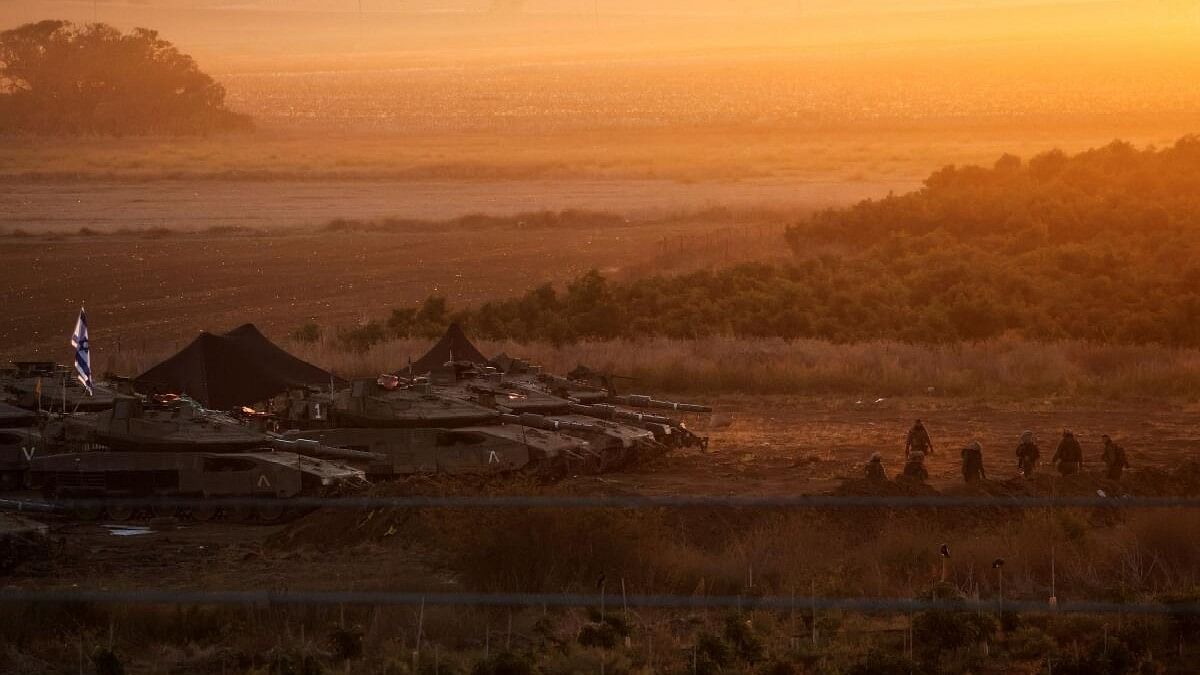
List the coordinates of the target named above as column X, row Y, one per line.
column 141, row 450
column 453, row 412
column 487, row 416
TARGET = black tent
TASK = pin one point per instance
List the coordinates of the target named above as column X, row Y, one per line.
column 278, row 361
column 454, row 346
column 224, row 371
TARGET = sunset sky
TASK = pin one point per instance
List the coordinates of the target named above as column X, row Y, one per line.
column 754, row 62
column 240, row 33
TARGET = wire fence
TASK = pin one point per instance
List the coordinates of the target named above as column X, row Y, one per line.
column 278, row 598
column 620, row 502
column 270, row 598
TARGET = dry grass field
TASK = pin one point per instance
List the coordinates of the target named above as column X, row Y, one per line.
column 760, row 446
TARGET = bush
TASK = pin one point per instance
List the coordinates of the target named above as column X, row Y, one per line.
column 739, row 632
column 346, row 643
column 361, row 339
column 977, row 254
column 1117, row 659
column 606, row 632
column 939, row 631
column 288, row 662
column 505, row 663
column 308, row 333
column 712, row 654
column 1030, row 644
column 884, row 663
column 105, row 662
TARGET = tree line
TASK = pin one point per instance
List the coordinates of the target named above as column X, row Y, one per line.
column 1100, row 246
column 62, row 79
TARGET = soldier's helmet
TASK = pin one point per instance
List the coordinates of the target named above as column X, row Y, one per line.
column 1068, row 432
column 876, row 457
column 1105, row 438
column 1027, row 436
column 976, row 445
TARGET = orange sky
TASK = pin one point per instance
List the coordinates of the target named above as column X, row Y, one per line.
column 241, row 34
column 920, row 58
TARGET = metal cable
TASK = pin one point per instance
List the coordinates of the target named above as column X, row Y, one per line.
column 12, row 596
column 618, row 502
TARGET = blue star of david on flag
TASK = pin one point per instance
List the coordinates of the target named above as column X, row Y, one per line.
column 83, row 352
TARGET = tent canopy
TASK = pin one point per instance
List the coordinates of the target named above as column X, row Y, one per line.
column 277, row 360
column 240, row 367
column 453, row 346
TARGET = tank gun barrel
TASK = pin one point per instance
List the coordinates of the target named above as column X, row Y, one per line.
column 543, row 422
column 558, row 380
column 639, row 401
column 609, row 412
column 311, row 448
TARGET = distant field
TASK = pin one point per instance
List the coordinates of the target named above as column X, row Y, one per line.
column 154, row 291
column 282, row 177
column 107, row 205
column 886, row 152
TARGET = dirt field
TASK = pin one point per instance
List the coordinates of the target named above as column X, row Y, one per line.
column 761, row 446
column 150, row 293
column 105, row 206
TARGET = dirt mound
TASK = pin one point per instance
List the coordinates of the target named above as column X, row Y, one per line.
column 1013, row 487
column 1181, row 481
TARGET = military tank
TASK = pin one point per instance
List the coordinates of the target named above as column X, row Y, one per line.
column 45, row 385
column 524, row 388
column 594, row 395
column 453, row 387
column 17, row 447
column 422, row 431
column 617, row 444
column 384, row 402
column 182, row 450
column 455, row 368
column 472, row 450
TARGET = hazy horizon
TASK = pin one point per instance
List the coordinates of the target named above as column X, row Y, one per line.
column 272, row 34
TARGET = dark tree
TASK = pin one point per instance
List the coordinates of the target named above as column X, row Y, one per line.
column 59, row 78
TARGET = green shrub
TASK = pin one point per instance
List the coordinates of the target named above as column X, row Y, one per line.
column 308, row 333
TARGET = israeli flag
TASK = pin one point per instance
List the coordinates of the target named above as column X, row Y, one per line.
column 83, row 352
